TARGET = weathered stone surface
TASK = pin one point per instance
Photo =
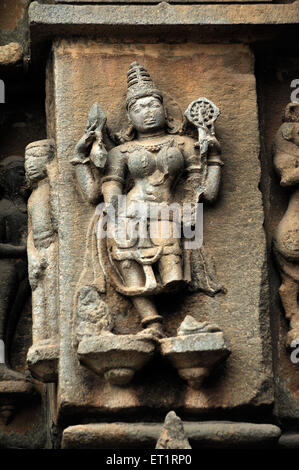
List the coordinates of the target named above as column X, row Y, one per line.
column 11, row 12
column 14, row 26
column 213, row 434
column 163, row 13
column 173, row 435
column 233, row 227
column 289, row 441
column 148, row 1
column 11, row 54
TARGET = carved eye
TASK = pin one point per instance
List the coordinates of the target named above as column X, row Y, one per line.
column 135, row 109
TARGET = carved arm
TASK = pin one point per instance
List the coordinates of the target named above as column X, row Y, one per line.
column 213, row 178
column 87, row 176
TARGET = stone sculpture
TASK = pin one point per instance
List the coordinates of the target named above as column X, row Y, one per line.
column 14, row 285
column 14, row 279
column 42, row 258
column 286, row 236
column 152, row 167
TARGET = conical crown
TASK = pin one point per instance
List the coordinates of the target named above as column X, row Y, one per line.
column 140, row 84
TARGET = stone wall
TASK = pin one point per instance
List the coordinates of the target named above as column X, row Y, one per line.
column 56, row 59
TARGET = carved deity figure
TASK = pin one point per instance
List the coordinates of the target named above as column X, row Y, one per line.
column 153, row 167
column 156, row 163
column 286, row 237
column 42, row 258
column 14, row 286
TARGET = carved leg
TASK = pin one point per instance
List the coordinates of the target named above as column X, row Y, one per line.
column 50, row 283
column 288, row 291
column 13, row 295
column 39, row 327
column 133, row 276
column 42, row 357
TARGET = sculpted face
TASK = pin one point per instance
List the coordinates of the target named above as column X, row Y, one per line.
column 147, row 114
column 35, row 167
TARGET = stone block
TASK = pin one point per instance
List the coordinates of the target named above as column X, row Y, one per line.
column 85, row 72
column 201, row 435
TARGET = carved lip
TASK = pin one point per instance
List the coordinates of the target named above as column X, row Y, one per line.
column 149, row 121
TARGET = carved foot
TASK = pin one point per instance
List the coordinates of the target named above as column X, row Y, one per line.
column 42, row 360
column 197, row 349
column 154, row 331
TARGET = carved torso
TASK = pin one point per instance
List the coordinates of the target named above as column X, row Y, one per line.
column 13, row 221
column 40, row 215
column 154, row 165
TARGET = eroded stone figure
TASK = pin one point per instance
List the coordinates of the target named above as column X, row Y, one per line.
column 42, row 258
column 286, row 237
column 14, row 286
column 153, row 166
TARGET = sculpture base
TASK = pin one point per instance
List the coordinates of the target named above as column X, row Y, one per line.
column 42, row 360
column 13, row 393
column 117, row 357
column 195, row 355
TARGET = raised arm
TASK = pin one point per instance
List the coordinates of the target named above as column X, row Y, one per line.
column 87, row 174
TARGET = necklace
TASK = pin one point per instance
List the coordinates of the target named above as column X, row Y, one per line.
column 153, row 147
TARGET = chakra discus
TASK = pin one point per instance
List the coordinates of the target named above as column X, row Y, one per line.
column 202, row 113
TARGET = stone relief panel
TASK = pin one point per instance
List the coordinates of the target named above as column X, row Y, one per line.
column 126, row 307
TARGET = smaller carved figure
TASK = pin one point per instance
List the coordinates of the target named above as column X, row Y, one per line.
column 42, row 259
column 286, row 237
column 14, row 286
